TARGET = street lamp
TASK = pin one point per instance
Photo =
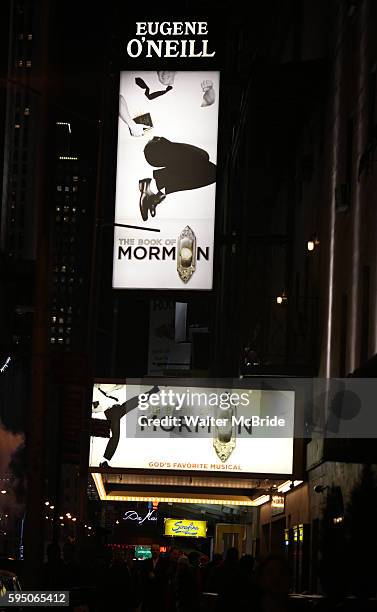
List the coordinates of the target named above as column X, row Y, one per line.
column 312, row 243
column 281, row 299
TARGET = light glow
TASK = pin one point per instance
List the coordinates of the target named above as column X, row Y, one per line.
column 98, row 481
column 286, row 486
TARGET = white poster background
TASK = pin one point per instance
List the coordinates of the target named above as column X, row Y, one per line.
column 251, row 455
column 179, row 117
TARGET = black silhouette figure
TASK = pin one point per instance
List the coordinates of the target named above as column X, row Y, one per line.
column 180, row 167
column 114, row 415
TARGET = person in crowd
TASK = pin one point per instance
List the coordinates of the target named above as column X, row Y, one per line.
column 246, row 581
column 227, row 581
column 53, row 570
column 273, row 582
column 121, row 589
column 210, row 573
column 171, row 569
column 134, row 589
column 186, row 591
column 72, row 573
column 194, row 561
column 154, row 580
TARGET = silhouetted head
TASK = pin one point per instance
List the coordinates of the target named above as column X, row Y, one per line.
column 194, row 557
column 231, row 555
column 182, row 564
column 174, row 554
column 155, row 551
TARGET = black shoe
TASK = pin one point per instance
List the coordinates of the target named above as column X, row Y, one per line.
column 148, row 199
column 104, row 464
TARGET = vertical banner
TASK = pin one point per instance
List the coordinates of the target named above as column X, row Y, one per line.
column 166, row 179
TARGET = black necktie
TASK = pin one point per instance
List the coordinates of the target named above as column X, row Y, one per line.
column 155, row 94
column 109, row 396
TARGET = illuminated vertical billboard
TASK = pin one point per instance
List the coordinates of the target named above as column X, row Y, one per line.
column 166, row 179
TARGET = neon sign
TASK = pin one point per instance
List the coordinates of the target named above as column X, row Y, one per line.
column 132, row 515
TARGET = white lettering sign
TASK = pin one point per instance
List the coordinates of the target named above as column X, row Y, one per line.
column 184, row 47
column 132, row 515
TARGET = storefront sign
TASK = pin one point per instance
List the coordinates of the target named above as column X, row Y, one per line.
column 277, row 504
column 185, row 429
column 166, row 179
column 286, row 537
column 143, row 552
column 170, row 39
column 132, row 515
column 301, row 533
column 185, row 528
